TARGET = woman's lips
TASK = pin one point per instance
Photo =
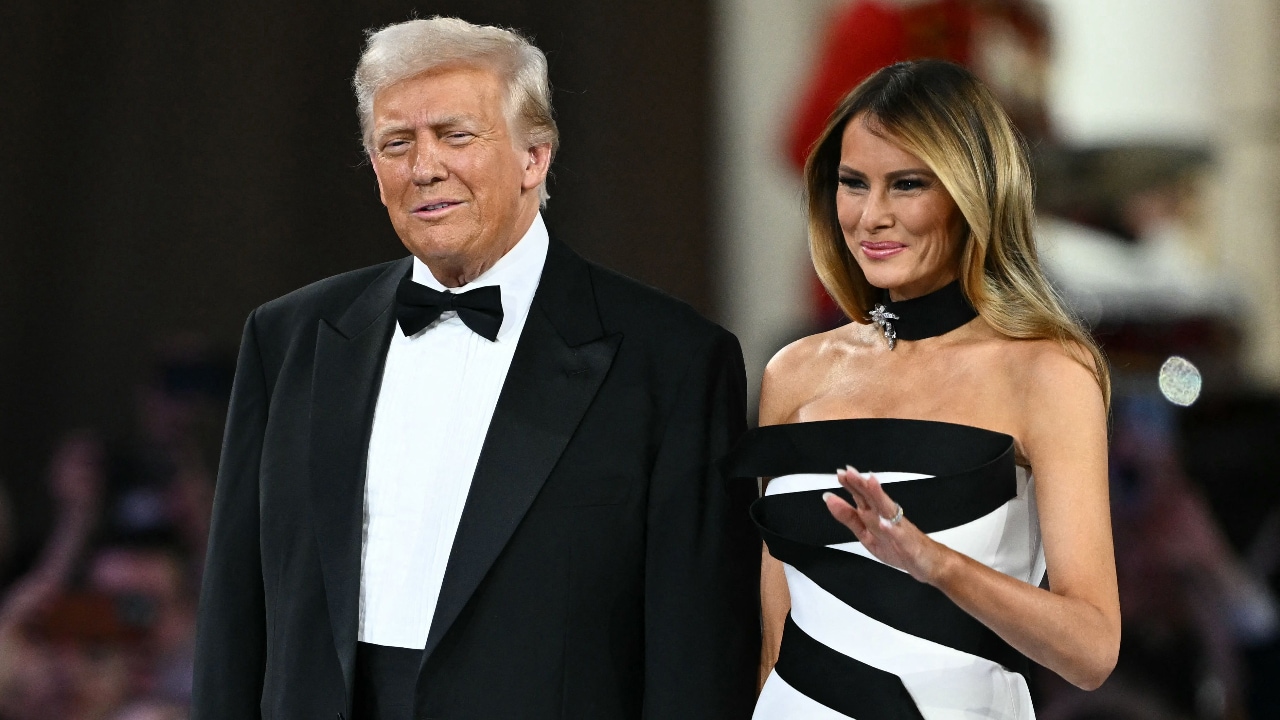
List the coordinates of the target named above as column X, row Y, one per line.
column 881, row 250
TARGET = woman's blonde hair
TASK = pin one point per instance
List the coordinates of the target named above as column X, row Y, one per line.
column 942, row 114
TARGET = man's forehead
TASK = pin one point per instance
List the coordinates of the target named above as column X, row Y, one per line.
column 457, row 86
column 409, row 118
column 436, row 98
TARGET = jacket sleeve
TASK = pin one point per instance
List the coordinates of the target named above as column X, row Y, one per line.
column 702, row 564
column 230, row 655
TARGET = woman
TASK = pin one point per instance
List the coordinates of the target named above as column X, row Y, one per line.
column 908, row 583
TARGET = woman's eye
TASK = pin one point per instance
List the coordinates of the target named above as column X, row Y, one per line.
column 907, row 184
column 853, row 183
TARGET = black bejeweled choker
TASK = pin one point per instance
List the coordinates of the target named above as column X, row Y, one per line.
column 937, row 313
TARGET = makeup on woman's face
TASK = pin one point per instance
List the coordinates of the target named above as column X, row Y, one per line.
column 898, row 220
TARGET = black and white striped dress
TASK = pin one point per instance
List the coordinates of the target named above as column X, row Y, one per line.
column 865, row 640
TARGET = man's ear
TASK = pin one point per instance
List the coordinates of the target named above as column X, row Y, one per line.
column 537, row 163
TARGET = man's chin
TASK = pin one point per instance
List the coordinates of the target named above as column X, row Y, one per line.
column 449, row 257
column 438, row 246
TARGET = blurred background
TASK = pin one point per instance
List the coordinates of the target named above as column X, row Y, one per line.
column 166, row 167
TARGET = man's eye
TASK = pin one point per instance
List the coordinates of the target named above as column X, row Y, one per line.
column 394, row 147
column 458, row 136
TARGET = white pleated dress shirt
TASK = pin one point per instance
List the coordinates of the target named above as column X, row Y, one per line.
column 437, row 398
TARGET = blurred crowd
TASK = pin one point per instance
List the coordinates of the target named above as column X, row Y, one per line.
column 1198, row 560
column 100, row 624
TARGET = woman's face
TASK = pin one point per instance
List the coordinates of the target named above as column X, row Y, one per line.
column 899, row 222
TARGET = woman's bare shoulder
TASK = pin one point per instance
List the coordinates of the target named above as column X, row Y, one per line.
column 1051, row 368
column 802, row 370
column 1057, row 391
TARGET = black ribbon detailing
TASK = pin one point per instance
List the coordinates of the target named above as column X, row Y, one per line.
column 927, row 447
column 417, row 306
column 890, row 596
column 936, row 503
column 846, row 685
column 937, row 313
column 974, row 475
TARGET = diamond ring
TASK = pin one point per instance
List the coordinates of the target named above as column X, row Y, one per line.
column 897, row 517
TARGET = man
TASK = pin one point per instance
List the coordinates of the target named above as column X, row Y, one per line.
column 476, row 483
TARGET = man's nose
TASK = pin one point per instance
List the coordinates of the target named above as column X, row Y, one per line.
column 428, row 165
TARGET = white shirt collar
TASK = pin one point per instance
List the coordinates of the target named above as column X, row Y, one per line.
column 517, row 272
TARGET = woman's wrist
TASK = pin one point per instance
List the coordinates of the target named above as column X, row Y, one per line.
column 940, row 565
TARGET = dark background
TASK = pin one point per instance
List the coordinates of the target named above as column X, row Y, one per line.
column 168, row 166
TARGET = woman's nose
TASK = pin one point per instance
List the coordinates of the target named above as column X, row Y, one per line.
column 876, row 213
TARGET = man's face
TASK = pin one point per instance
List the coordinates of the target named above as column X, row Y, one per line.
column 459, row 189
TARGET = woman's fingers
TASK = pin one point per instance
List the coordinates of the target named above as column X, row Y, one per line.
column 868, row 493
column 859, row 516
column 842, row 511
column 848, row 479
column 884, row 506
column 901, row 545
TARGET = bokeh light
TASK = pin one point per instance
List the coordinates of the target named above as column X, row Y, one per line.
column 1180, row 381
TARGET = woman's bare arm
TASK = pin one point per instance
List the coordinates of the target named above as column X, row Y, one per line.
column 775, row 603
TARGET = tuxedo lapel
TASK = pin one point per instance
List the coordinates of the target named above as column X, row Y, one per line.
column 350, row 355
column 560, row 361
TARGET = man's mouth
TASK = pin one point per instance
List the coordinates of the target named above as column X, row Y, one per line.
column 436, row 206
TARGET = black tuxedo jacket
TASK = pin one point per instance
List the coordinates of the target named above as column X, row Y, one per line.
column 600, row 570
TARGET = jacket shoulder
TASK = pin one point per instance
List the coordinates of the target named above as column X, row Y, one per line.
column 327, row 298
column 630, row 306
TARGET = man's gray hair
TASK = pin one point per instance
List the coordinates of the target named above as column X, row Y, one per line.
column 398, row 52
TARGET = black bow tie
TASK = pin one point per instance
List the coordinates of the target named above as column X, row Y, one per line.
column 417, row 306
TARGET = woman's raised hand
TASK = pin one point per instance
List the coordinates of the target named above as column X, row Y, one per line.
column 882, row 527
